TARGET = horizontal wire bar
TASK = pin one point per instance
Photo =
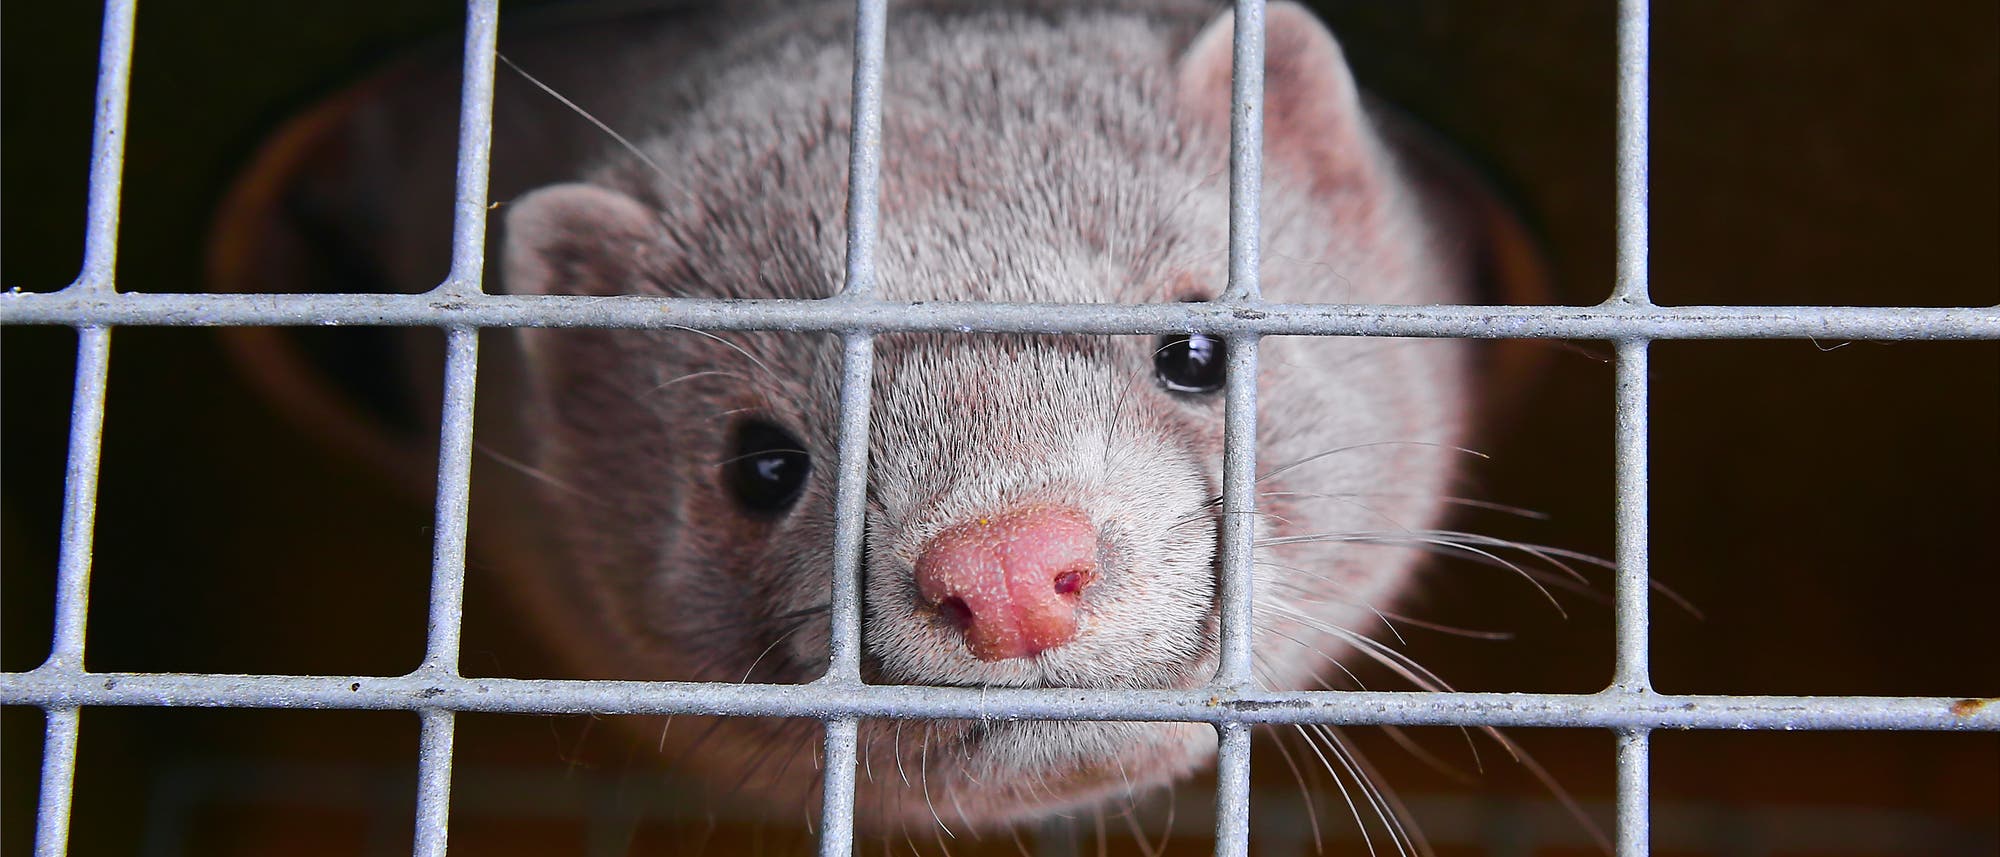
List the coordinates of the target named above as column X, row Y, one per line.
column 49, row 687
column 1606, row 321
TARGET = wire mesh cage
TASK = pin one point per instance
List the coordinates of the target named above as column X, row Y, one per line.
column 439, row 691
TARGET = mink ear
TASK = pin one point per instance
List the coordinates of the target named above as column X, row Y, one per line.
column 1313, row 117
column 578, row 239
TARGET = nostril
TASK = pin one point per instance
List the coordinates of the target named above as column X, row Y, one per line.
column 1071, row 582
column 956, row 611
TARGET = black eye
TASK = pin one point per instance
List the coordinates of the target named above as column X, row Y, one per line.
column 1190, row 362
column 767, row 468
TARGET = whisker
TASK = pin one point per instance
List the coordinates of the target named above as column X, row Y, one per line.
column 749, row 455
column 1305, row 793
column 533, row 472
column 1294, row 465
column 1282, row 584
column 800, row 615
column 1431, row 760
column 899, row 755
column 733, row 347
column 1215, row 500
column 729, row 412
column 1398, row 815
column 1367, row 840
column 1118, row 409
column 1139, row 835
column 1468, row 502
column 1390, row 618
column 924, row 777
column 706, row 373
column 1418, row 540
column 1328, row 658
column 1019, row 843
column 1402, row 664
column 767, row 651
column 1548, row 781
column 629, row 147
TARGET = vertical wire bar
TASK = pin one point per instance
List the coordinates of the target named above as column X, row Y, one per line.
column 858, row 349
column 1238, row 531
column 454, row 487
column 1239, row 468
column 850, row 509
column 836, row 838
column 1246, row 148
column 1238, row 525
column 1633, row 582
column 1634, row 792
column 447, row 606
column 107, row 150
column 454, row 480
column 86, row 430
column 864, row 173
column 864, row 154
column 475, row 150
column 1232, row 790
column 86, row 435
column 1239, row 472
column 434, row 782
column 1634, row 106
column 1632, row 674
column 844, row 633
column 58, row 783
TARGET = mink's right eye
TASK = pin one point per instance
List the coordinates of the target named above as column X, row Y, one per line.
column 767, row 469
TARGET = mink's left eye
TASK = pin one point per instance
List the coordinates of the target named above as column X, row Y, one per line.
column 1190, row 362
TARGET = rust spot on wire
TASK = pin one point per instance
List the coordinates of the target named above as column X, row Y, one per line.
column 1249, row 705
column 1969, row 707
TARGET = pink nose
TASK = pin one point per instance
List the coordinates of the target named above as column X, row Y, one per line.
column 1010, row 583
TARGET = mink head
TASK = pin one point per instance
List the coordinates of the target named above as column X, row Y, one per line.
column 1041, row 510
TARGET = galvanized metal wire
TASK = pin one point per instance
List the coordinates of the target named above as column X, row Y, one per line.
column 437, row 692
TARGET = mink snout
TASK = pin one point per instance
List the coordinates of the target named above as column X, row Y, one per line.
column 1010, row 584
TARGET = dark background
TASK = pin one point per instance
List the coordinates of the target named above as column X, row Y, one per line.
column 1829, row 507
